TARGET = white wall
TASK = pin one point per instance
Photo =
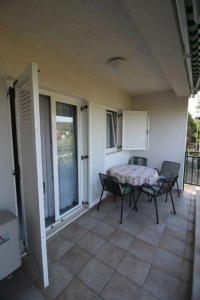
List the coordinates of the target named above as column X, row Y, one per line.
column 100, row 161
column 7, row 194
column 116, row 158
column 168, row 113
column 168, row 121
column 59, row 74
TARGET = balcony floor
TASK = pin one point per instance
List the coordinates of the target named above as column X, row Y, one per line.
column 97, row 258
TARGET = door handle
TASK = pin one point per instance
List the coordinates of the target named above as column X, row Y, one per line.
column 44, row 187
column 84, row 157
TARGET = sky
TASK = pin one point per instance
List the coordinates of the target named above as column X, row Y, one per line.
column 192, row 105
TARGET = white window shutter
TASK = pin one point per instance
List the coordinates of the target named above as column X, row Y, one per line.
column 29, row 150
column 135, row 130
column 97, row 137
column 119, row 130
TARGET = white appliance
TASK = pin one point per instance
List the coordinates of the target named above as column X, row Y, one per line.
column 9, row 244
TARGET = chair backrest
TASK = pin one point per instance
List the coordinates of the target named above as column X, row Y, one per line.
column 137, row 160
column 110, row 184
column 167, row 184
column 169, row 168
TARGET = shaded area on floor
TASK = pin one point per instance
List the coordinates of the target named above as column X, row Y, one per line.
column 97, row 258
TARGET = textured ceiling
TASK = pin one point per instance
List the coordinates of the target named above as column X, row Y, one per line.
column 92, row 31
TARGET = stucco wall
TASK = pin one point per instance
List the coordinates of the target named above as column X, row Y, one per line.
column 120, row 157
column 59, row 74
column 167, row 112
column 167, row 136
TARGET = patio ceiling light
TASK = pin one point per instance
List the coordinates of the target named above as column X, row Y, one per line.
column 117, row 62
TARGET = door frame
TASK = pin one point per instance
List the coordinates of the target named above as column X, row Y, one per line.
column 56, row 97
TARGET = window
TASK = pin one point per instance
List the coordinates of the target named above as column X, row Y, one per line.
column 111, row 130
column 135, row 133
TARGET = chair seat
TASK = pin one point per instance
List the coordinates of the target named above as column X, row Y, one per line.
column 163, row 187
column 113, row 186
column 155, row 189
column 125, row 190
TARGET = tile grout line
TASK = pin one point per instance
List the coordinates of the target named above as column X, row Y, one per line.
column 126, row 251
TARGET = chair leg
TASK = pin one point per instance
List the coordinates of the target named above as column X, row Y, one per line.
column 134, row 197
column 150, row 198
column 130, row 200
column 178, row 188
column 157, row 220
column 100, row 200
column 172, row 202
column 136, row 201
column 166, row 197
column 122, row 206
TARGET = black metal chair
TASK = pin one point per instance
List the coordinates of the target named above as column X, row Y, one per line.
column 136, row 160
column 168, row 169
column 164, row 186
column 111, row 184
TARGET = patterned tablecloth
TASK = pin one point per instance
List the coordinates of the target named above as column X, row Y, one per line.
column 134, row 175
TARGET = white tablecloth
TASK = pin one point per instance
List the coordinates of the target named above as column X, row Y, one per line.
column 134, row 175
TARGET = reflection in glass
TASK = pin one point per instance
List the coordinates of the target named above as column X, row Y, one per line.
column 66, row 125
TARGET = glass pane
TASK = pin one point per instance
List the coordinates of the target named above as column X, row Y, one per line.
column 110, row 142
column 114, row 114
column 66, row 125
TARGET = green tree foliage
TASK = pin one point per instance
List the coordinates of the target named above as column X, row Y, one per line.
column 191, row 129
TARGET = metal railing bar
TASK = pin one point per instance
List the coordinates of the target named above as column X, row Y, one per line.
column 192, row 169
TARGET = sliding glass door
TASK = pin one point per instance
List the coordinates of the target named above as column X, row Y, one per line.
column 70, row 146
column 65, row 142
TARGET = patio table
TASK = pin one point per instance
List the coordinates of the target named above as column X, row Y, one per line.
column 134, row 175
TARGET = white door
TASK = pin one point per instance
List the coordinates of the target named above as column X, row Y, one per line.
column 29, row 148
